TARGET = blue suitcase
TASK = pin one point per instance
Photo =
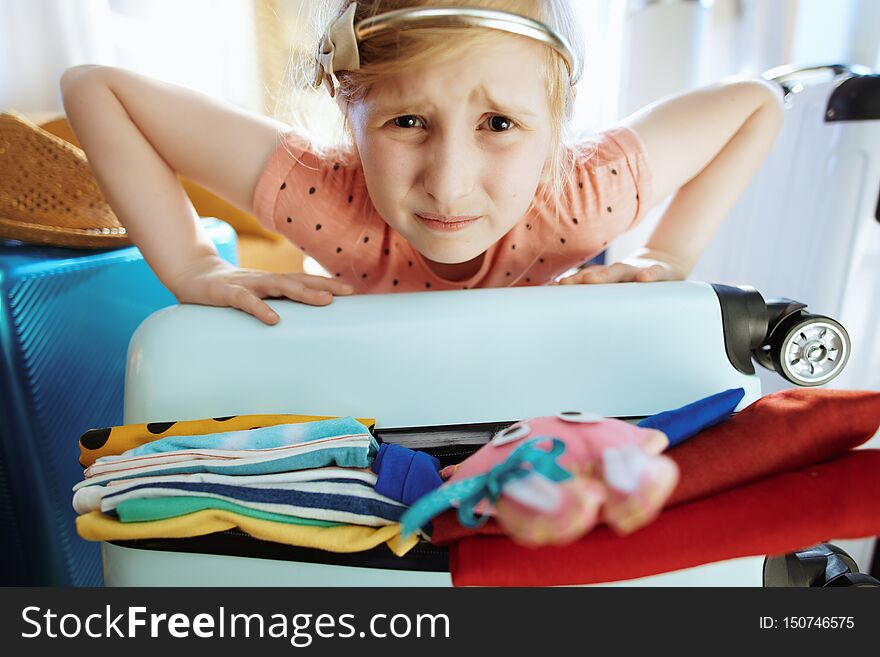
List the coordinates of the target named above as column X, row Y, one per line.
column 65, row 323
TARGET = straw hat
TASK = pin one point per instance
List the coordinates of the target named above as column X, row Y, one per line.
column 48, row 194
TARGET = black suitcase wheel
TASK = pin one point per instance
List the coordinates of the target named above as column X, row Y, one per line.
column 805, row 349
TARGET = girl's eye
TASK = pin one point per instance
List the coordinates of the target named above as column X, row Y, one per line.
column 497, row 122
column 408, row 121
column 502, row 123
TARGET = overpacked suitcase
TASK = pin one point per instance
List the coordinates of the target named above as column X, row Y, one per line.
column 66, row 319
column 442, row 372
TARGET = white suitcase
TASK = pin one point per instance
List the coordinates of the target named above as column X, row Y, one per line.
column 461, row 361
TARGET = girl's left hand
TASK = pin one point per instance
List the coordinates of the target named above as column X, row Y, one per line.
column 639, row 268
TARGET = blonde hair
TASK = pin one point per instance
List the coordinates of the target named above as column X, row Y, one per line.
column 393, row 53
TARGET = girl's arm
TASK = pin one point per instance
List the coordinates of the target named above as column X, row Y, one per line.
column 703, row 146
column 139, row 134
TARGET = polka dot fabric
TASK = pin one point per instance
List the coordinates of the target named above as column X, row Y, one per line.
column 323, row 207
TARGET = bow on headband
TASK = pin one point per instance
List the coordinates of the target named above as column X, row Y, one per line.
column 338, row 49
column 523, row 461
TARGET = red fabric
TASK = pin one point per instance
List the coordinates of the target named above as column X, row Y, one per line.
column 835, row 500
column 781, row 432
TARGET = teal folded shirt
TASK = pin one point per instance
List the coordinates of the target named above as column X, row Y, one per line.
column 160, row 508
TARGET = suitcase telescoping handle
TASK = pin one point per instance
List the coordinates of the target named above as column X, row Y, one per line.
column 854, row 95
column 783, row 74
column 803, row 348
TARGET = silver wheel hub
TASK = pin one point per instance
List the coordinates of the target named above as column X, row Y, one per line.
column 815, row 353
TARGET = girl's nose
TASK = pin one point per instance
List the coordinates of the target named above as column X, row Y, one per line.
column 450, row 174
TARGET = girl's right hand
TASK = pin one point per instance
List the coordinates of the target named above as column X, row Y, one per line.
column 214, row 282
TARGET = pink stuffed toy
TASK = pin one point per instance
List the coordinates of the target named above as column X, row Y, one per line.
column 552, row 479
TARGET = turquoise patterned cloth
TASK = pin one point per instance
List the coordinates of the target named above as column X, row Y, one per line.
column 341, row 441
column 280, row 435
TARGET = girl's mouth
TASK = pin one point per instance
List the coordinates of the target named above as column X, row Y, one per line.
column 446, row 224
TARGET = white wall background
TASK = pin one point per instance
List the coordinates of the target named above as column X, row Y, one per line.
column 204, row 44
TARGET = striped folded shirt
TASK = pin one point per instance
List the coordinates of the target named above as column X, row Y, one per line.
column 163, row 508
column 350, row 502
column 88, row 498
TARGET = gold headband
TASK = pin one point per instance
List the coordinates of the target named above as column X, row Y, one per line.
column 338, row 50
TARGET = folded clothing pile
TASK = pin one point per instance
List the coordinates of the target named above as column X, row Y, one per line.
column 317, row 483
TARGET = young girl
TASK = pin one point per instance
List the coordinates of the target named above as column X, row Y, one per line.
column 454, row 174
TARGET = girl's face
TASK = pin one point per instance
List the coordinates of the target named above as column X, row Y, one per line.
column 465, row 138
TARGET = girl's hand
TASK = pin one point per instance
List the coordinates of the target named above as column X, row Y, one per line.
column 214, row 282
column 620, row 272
column 642, row 267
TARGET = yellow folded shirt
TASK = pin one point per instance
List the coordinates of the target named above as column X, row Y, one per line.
column 97, row 526
column 111, row 441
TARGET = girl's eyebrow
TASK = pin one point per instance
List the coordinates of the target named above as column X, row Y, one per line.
column 510, row 108
column 399, row 104
column 406, row 104
column 505, row 106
